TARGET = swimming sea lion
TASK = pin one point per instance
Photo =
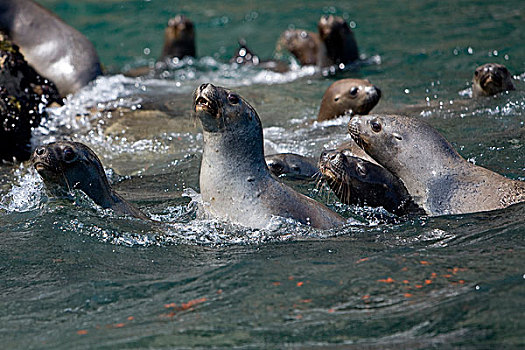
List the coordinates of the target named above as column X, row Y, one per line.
column 67, row 165
column 56, row 50
column 179, row 38
column 359, row 182
column 235, row 182
column 348, row 96
column 439, row 180
column 293, row 166
column 490, row 79
column 341, row 47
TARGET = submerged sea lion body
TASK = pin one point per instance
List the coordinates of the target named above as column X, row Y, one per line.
column 439, row 180
column 490, row 79
column 66, row 165
column 359, row 182
column 235, row 182
column 348, row 97
column 56, row 50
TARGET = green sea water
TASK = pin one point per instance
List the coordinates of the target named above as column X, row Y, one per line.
column 76, row 276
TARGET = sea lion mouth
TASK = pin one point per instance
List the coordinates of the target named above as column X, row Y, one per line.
column 490, row 78
column 40, row 166
column 332, row 165
column 205, row 104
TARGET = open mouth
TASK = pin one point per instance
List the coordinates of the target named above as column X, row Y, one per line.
column 39, row 166
column 203, row 103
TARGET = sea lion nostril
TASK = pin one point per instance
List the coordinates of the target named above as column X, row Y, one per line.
column 203, row 86
column 40, row 151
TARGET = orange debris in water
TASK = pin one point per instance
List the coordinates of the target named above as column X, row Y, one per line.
column 361, row 260
column 406, row 282
column 461, row 282
column 82, row 332
column 331, row 310
column 365, row 297
column 404, row 269
column 419, row 286
column 193, row 302
column 433, row 275
column 119, row 325
column 447, row 276
column 167, row 306
column 219, row 291
column 276, row 283
column 306, row 301
column 424, row 262
column 387, row 280
column 299, row 284
column 290, row 278
column 408, row 295
column 428, row 281
column 131, row 318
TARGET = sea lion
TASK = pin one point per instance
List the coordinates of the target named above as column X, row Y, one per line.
column 235, row 182
column 179, row 39
column 293, row 166
column 56, row 50
column 490, row 79
column 348, row 96
column 304, row 45
column 341, row 47
column 439, row 180
column 67, row 165
column 359, row 182
column 334, row 44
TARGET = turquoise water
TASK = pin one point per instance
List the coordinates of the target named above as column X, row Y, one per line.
column 75, row 276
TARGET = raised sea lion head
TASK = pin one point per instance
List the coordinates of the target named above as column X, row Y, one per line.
column 68, row 165
column 222, row 110
column 348, row 96
column 490, row 79
column 338, row 38
column 302, row 44
column 179, row 38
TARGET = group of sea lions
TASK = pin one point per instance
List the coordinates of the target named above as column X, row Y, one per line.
column 396, row 162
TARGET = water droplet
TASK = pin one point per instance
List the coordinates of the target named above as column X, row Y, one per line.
column 407, row 91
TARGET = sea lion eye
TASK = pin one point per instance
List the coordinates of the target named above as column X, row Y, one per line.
column 354, row 91
column 361, row 170
column 233, row 99
column 69, row 154
column 476, row 73
column 376, row 126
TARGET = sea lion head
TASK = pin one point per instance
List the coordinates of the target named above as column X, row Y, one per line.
column 179, row 38
column 490, row 79
column 302, row 44
column 348, row 96
column 68, row 165
column 222, row 110
column 293, row 166
column 401, row 143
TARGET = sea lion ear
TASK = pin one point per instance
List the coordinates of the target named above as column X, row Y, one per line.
column 368, row 81
column 397, row 136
